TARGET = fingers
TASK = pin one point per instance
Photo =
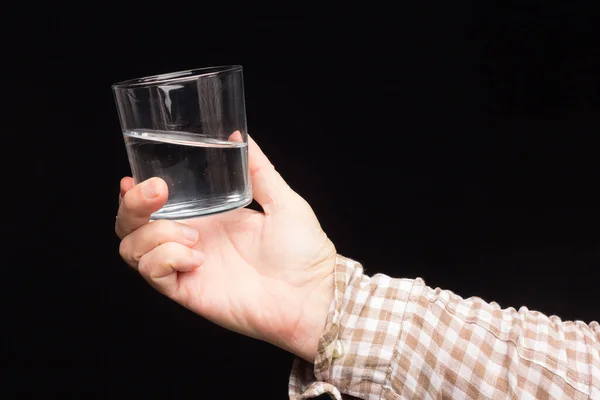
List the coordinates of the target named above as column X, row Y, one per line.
column 144, row 239
column 127, row 184
column 160, row 265
column 268, row 187
column 138, row 204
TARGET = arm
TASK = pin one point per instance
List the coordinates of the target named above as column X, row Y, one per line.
column 397, row 338
column 272, row 276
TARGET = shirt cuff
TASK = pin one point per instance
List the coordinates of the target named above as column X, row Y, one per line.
column 360, row 340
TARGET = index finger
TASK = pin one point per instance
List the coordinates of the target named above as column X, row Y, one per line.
column 138, row 204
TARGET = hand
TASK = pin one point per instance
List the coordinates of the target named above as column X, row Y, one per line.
column 265, row 275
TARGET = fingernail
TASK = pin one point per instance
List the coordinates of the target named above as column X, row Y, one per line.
column 190, row 233
column 149, row 190
column 198, row 256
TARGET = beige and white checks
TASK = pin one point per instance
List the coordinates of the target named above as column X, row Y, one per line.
column 399, row 339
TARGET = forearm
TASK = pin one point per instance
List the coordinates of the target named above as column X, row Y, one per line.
column 469, row 348
column 400, row 338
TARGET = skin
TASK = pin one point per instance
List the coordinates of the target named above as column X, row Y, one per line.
column 267, row 275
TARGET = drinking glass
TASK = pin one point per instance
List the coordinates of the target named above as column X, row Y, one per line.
column 189, row 128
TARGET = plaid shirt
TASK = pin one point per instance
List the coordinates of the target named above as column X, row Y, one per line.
column 399, row 339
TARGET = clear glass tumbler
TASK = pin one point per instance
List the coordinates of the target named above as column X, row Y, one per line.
column 189, row 128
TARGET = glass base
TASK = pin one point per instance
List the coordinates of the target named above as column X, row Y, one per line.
column 201, row 208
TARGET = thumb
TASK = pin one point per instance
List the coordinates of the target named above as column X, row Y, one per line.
column 268, row 187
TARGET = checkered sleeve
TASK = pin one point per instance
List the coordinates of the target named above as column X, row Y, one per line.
column 399, row 339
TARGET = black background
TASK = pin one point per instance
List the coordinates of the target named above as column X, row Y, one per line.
column 454, row 142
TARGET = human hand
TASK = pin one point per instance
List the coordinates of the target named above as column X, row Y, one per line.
column 265, row 275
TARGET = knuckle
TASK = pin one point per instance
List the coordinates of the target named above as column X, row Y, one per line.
column 165, row 255
column 171, row 261
column 128, row 251
column 157, row 273
column 136, row 256
column 144, row 266
column 124, row 248
column 163, row 258
column 118, row 229
column 168, row 264
column 169, row 254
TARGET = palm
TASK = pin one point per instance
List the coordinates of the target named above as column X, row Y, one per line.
column 252, row 262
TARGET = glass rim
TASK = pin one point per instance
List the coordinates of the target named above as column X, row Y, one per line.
column 178, row 76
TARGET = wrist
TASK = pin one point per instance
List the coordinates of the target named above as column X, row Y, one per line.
column 311, row 327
